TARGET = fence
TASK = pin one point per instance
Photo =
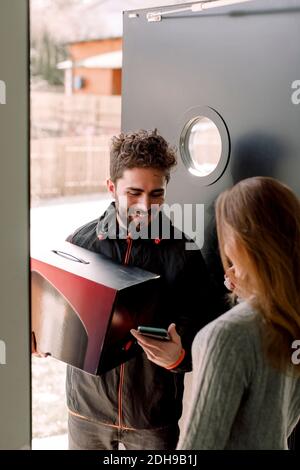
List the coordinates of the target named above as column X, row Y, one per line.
column 69, row 165
column 70, row 142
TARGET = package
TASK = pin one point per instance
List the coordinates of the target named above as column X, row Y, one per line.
column 84, row 304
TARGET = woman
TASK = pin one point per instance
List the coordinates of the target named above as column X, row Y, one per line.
column 246, row 389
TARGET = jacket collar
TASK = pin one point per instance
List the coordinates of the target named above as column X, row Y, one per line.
column 109, row 227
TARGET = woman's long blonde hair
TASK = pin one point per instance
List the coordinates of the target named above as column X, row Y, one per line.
column 264, row 217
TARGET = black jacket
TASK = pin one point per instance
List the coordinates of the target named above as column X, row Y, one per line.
column 140, row 394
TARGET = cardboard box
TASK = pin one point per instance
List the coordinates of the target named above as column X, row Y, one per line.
column 84, row 305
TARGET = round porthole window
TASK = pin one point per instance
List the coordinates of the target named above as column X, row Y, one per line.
column 204, row 145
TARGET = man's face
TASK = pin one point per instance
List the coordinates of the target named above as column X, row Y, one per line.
column 136, row 192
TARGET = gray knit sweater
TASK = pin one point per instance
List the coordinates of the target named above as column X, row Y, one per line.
column 238, row 400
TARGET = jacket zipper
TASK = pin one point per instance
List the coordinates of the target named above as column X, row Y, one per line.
column 122, row 367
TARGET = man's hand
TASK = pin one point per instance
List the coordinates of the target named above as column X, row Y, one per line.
column 33, row 347
column 162, row 353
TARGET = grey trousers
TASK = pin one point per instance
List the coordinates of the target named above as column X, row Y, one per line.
column 90, row 435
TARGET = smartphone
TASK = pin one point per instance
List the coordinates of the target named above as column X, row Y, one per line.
column 157, row 333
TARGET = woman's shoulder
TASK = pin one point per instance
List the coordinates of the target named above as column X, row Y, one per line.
column 236, row 328
column 240, row 316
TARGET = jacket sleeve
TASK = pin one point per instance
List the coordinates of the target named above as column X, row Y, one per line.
column 85, row 236
column 193, row 303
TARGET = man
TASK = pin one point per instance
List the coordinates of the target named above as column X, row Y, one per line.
column 140, row 402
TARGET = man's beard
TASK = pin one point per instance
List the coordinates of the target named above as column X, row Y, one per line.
column 135, row 216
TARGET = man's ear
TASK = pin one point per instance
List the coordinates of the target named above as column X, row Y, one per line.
column 111, row 187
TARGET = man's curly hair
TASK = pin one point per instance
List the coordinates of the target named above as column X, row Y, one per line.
column 141, row 149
